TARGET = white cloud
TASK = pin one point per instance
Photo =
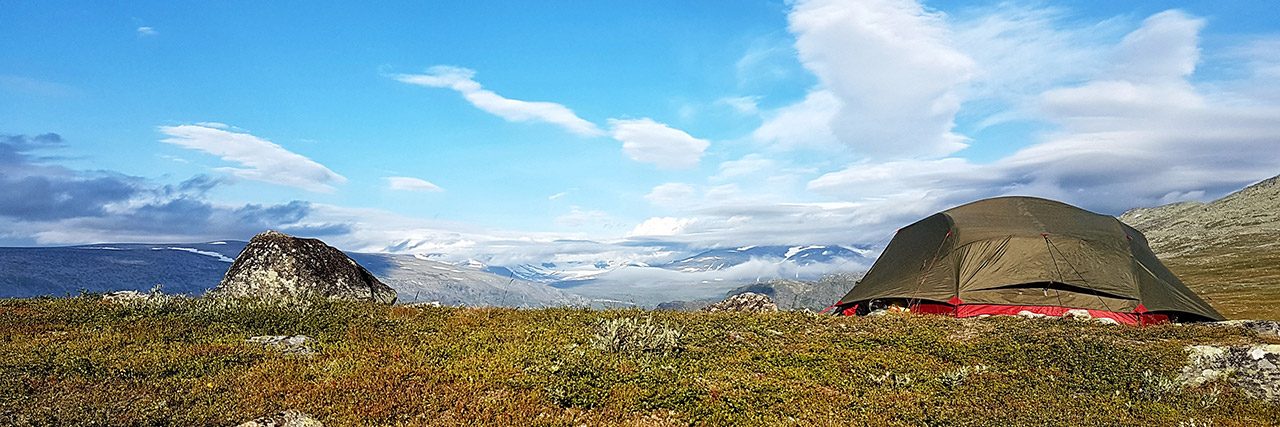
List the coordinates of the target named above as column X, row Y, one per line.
column 671, row 194
column 806, row 124
column 1164, row 50
column 1138, row 133
column 645, row 140
column 1021, row 50
column 579, row 217
column 262, row 160
column 411, row 184
column 873, row 180
column 215, row 125
column 746, row 105
column 892, row 67
column 749, row 165
column 461, row 80
column 662, row 226
column 147, row 32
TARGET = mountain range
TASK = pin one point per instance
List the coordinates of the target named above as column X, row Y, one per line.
column 193, row 269
column 1227, row 250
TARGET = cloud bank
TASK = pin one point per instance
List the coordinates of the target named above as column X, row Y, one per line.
column 46, row 203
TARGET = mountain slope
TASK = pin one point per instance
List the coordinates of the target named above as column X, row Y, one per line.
column 1227, row 250
column 180, row 268
column 193, row 269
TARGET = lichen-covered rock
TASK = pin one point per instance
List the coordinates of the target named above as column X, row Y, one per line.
column 1254, row 367
column 746, row 302
column 284, row 419
column 135, row 297
column 276, row 265
column 296, row 345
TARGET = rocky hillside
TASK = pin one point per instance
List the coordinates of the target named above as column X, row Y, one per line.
column 1228, row 250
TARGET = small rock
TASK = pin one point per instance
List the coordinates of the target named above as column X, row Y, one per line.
column 745, row 302
column 292, row 346
column 1106, row 321
column 1077, row 314
column 284, row 419
column 1030, row 315
column 123, row 296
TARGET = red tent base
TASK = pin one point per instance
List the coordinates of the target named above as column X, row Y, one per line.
column 973, row 310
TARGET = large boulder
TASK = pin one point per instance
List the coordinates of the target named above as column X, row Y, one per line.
column 278, row 266
column 1255, row 369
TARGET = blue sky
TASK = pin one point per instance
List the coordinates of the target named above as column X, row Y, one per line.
column 486, row 128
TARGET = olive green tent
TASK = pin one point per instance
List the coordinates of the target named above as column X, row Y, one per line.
column 1007, row 255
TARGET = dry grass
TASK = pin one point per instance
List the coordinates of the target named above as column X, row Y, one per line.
column 1240, row 279
column 78, row 361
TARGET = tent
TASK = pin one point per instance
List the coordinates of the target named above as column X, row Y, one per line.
column 1007, row 255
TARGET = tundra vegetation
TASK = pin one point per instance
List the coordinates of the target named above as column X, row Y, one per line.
column 178, row 361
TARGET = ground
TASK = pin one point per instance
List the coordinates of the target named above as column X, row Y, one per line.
column 82, row 361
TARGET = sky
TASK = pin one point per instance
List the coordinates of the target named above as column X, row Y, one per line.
column 527, row 131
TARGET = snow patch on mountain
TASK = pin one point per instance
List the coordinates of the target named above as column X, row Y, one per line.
column 218, row 256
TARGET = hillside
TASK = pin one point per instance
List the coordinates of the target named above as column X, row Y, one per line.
column 194, row 268
column 1227, row 250
column 82, row 361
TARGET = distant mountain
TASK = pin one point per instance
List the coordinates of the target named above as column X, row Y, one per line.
column 193, row 269
column 180, row 268
column 719, row 259
column 417, row 279
column 1228, row 249
column 789, row 294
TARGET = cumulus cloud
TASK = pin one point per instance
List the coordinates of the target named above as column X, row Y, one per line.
column 462, row 81
column 147, row 32
column 411, row 184
column 262, row 160
column 888, row 72
column 645, row 140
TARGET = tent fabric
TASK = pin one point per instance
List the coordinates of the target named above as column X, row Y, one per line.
column 1026, row 252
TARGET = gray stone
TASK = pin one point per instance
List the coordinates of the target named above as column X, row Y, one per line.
column 275, row 265
column 283, row 419
column 297, row 345
column 1253, row 366
column 746, row 302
